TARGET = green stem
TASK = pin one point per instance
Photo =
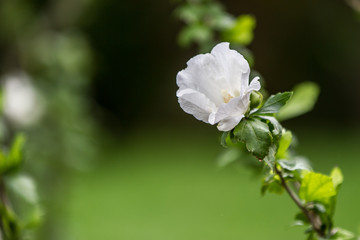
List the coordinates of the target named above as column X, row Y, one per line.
column 311, row 216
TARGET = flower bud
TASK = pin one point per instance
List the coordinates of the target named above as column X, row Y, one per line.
column 255, row 99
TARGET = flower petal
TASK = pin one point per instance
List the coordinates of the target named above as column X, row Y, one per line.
column 235, row 107
column 229, row 123
column 196, row 103
column 254, row 85
column 210, row 74
column 235, row 68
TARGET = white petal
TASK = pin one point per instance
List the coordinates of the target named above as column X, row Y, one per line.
column 215, row 87
column 235, row 107
column 234, row 66
column 254, row 85
column 201, row 75
column 229, row 123
column 210, row 74
column 196, row 103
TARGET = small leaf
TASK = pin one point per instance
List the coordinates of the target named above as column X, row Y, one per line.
column 270, row 158
column 194, row 33
column 274, row 103
column 256, row 135
column 228, row 139
column 276, row 126
column 23, row 191
column 337, row 177
column 223, row 139
column 342, row 234
column 297, row 163
column 316, row 187
column 303, row 101
column 301, row 219
column 24, row 187
column 15, row 155
column 284, row 144
column 189, row 13
column 13, row 159
column 242, row 31
column 272, row 183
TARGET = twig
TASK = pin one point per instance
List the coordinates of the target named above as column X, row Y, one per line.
column 311, row 216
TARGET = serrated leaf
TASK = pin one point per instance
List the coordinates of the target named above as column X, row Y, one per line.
column 297, row 163
column 274, row 103
column 337, row 177
column 270, row 158
column 284, row 144
column 256, row 135
column 303, row 101
column 316, row 187
column 277, row 128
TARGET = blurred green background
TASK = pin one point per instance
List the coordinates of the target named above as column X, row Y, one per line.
column 114, row 155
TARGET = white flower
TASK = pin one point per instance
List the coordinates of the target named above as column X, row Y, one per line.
column 215, row 88
column 21, row 102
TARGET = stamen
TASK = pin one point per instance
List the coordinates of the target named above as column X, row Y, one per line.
column 226, row 95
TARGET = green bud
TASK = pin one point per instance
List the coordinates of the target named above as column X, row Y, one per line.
column 255, row 99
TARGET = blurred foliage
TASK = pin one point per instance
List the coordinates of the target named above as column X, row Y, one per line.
column 207, row 22
column 303, row 101
column 54, row 56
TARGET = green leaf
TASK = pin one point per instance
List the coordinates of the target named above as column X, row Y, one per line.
column 242, row 32
column 15, row 155
column 342, row 234
column 189, row 13
column 197, row 33
column 316, row 187
column 24, row 187
column 13, row 159
column 301, row 219
column 270, row 158
column 337, row 177
column 272, row 183
column 284, row 144
column 276, row 126
column 228, row 139
column 23, row 190
column 256, row 135
column 303, row 101
column 274, row 103
column 297, row 163
column 224, row 136
column 9, row 222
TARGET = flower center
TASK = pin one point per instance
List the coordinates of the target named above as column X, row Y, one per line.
column 226, row 95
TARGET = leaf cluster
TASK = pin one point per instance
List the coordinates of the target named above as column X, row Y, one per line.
column 264, row 137
column 207, row 22
column 19, row 204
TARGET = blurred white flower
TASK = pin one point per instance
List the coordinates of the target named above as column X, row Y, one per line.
column 215, row 88
column 21, row 102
